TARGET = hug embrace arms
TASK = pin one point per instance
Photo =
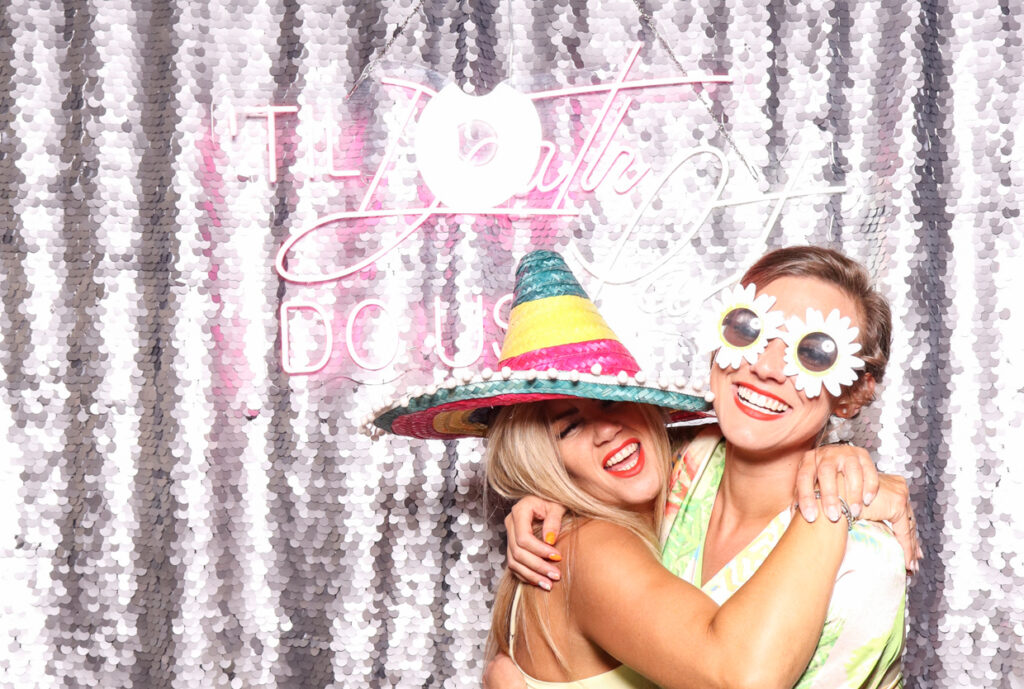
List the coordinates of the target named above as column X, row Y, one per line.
column 532, row 519
column 867, row 614
column 569, row 420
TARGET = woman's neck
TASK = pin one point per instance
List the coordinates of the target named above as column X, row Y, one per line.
column 757, row 488
column 753, row 491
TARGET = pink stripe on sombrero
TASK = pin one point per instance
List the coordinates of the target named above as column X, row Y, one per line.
column 577, row 356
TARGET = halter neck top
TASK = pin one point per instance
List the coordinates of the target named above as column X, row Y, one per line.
column 621, row 677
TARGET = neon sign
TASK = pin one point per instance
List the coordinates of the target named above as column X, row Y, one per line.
column 485, row 156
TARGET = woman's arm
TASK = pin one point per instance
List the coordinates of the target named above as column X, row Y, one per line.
column 671, row 632
column 535, row 562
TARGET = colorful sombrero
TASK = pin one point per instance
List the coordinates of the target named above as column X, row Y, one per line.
column 557, row 346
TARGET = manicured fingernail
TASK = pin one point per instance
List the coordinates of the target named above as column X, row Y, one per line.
column 549, row 538
column 544, row 584
column 855, row 510
column 554, row 575
column 868, row 497
column 833, row 513
column 810, row 514
column 554, row 557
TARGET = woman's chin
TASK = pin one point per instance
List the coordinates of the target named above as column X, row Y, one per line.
column 642, row 503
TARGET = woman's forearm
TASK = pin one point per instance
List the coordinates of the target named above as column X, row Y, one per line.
column 771, row 626
column 671, row 632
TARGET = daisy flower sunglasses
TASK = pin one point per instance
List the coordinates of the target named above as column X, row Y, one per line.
column 820, row 350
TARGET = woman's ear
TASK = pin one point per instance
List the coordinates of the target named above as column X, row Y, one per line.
column 862, row 392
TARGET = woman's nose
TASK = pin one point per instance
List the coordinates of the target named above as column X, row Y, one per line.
column 606, row 426
column 772, row 362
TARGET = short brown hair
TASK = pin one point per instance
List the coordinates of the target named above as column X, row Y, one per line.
column 849, row 276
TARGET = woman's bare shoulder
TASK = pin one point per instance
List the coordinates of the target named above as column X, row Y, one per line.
column 600, row 546
column 588, row 530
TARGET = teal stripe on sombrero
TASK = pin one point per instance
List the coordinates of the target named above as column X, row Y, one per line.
column 416, row 417
column 546, row 276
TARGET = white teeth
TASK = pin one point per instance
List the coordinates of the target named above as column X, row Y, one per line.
column 627, row 466
column 621, row 455
column 758, row 400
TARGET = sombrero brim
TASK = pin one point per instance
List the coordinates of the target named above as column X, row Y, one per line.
column 447, row 413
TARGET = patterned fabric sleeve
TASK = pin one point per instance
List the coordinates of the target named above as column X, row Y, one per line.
column 862, row 641
column 687, row 460
column 679, row 484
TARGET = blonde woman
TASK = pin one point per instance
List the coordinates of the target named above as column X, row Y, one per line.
column 569, row 418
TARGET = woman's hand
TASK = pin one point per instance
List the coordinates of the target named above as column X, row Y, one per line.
column 893, row 506
column 530, row 558
column 820, row 469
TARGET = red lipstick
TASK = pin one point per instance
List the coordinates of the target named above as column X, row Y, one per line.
column 750, row 411
column 636, row 458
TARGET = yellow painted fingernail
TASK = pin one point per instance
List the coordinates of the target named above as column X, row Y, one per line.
column 554, row 557
column 549, row 538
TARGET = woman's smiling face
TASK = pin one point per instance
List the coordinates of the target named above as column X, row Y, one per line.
column 609, row 449
column 759, row 409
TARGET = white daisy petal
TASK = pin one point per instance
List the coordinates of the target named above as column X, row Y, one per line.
column 842, row 372
column 741, row 297
column 728, row 358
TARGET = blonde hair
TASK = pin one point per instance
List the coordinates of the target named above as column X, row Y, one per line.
column 523, row 459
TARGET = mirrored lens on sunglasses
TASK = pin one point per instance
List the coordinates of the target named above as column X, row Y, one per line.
column 741, row 327
column 817, row 352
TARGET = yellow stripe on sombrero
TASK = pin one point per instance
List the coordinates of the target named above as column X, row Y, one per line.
column 551, row 322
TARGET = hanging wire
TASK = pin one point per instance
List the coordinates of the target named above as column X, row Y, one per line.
column 649, row 20
column 511, row 41
column 396, row 34
column 645, row 16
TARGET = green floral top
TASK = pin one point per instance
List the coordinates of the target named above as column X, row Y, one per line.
column 862, row 641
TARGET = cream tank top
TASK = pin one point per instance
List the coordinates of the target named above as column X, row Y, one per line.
column 621, row 677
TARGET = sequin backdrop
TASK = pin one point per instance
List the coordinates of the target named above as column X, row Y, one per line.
column 177, row 510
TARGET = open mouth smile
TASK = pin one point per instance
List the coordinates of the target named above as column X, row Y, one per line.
column 759, row 405
column 625, row 461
